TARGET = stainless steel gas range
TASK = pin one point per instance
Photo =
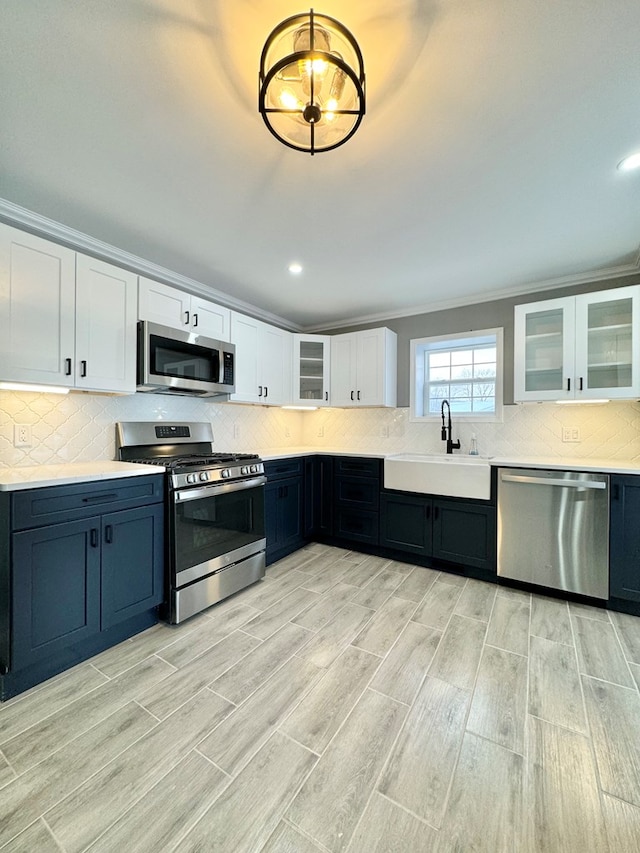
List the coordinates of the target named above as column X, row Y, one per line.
column 215, row 511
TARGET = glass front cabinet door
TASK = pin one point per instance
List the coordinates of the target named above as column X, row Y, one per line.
column 608, row 343
column 311, row 360
column 544, row 350
column 578, row 347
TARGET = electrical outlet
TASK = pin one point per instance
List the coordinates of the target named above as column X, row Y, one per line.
column 575, row 434
column 236, row 430
column 320, row 432
column 22, row 435
column 571, row 434
column 384, row 431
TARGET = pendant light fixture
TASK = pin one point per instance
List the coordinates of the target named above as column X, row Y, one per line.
column 311, row 83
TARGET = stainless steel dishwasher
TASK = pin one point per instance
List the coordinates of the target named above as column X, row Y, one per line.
column 553, row 529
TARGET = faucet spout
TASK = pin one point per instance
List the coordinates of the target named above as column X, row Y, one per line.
column 446, row 429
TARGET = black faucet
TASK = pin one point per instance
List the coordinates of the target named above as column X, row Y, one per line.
column 446, row 429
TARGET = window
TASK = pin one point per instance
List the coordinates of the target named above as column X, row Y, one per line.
column 465, row 369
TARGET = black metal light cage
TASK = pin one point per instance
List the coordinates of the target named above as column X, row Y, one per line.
column 311, row 115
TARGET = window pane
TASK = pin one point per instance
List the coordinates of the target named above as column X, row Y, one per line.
column 438, row 359
column 485, row 354
column 484, row 370
column 461, row 390
column 462, row 406
column 463, row 371
column 486, row 405
column 463, row 356
column 439, row 374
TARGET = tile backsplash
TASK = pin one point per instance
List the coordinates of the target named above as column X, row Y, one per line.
column 80, row 427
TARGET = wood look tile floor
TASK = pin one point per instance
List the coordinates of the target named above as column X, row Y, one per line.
column 345, row 703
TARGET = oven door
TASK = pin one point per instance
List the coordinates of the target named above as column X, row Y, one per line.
column 214, row 526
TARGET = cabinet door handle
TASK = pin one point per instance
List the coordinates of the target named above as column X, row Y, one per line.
column 108, row 534
column 581, row 383
column 259, row 390
column 266, row 391
column 326, row 396
column 358, row 395
column 568, row 384
column 427, row 512
column 195, row 320
column 96, row 499
column 616, row 492
column 83, row 368
column 436, row 512
column 67, row 367
column 286, row 491
column 186, row 314
column 94, row 537
column 352, row 395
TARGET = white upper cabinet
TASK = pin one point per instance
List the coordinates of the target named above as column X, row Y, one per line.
column 168, row 306
column 263, row 362
column 65, row 319
column 364, row 368
column 106, row 319
column 311, row 366
column 578, row 347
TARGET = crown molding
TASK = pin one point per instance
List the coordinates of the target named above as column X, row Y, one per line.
column 605, row 274
column 28, row 220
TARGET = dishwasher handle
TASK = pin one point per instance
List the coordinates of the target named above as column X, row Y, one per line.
column 540, row 481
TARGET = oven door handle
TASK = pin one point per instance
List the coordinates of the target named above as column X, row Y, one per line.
column 223, row 489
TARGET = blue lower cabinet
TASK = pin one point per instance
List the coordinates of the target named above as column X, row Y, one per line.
column 132, row 563
column 55, row 590
column 624, row 533
column 284, row 504
column 82, row 567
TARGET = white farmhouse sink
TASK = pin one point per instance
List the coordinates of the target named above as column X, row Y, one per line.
column 453, row 476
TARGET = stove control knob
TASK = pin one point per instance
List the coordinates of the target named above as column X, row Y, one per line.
column 204, row 476
column 254, row 469
column 225, row 474
column 244, row 469
column 191, row 478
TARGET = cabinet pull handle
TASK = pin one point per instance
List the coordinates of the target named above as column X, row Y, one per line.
column 326, row 396
column 352, row 395
column 108, row 534
column 186, row 314
column 67, row 367
column 98, row 499
column 94, row 537
column 581, row 383
column 83, row 368
column 259, row 390
column 266, row 391
column 568, row 384
column 286, row 491
column 195, row 320
column 427, row 512
column 436, row 512
column 616, row 492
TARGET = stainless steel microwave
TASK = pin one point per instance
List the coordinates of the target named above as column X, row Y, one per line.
column 171, row 361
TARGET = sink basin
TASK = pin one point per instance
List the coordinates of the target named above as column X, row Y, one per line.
column 432, row 474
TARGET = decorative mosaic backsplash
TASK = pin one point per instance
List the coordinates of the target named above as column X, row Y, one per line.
column 80, row 428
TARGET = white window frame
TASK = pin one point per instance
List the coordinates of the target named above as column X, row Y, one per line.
column 448, row 342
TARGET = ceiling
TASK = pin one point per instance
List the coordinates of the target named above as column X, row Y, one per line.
column 486, row 162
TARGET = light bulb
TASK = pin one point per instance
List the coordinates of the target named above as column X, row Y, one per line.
column 289, row 100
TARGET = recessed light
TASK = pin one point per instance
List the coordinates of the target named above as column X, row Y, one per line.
column 295, row 268
column 630, row 162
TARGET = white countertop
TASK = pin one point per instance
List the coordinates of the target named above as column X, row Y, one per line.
column 35, row 476
column 556, row 463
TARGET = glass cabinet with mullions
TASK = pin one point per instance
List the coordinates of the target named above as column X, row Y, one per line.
column 578, row 347
column 311, row 360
